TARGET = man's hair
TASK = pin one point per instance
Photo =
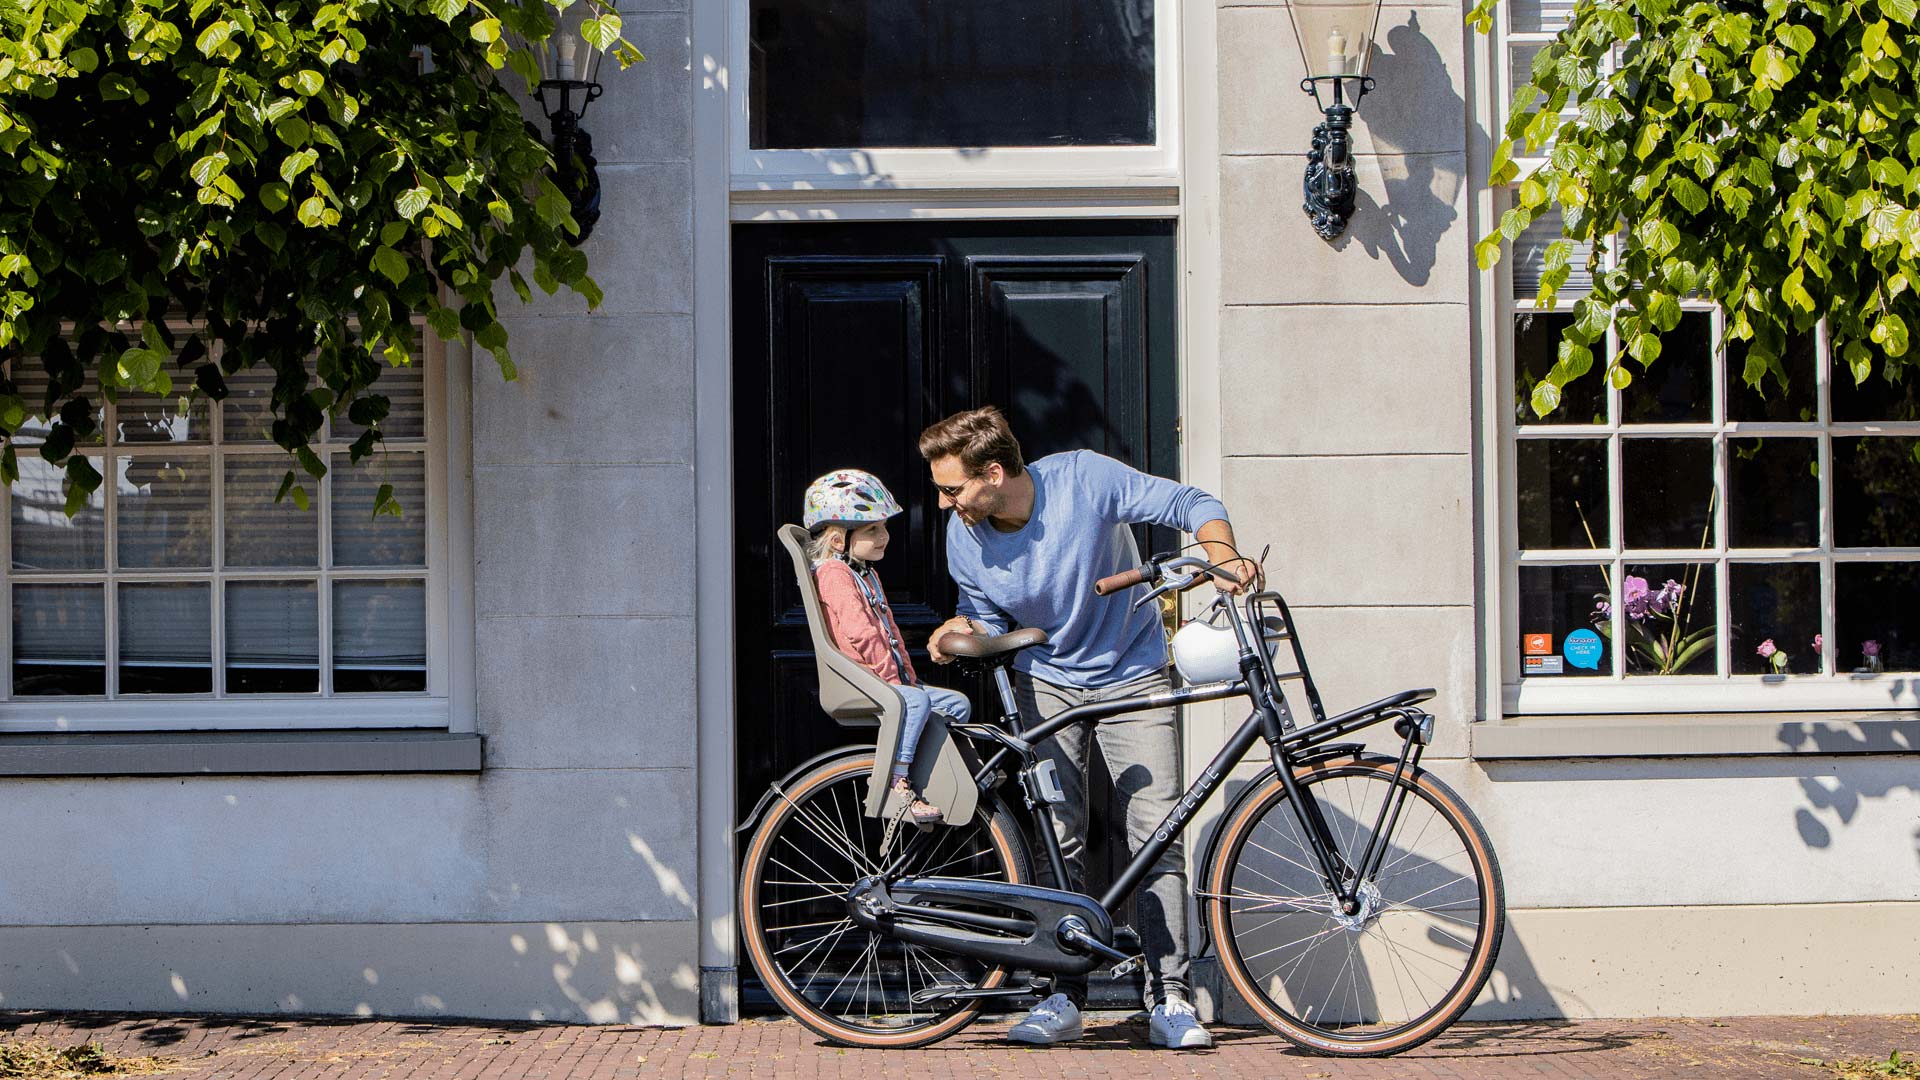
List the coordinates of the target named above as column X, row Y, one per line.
column 978, row 437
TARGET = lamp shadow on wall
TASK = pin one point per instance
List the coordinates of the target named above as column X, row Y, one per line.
column 1422, row 185
column 1840, row 793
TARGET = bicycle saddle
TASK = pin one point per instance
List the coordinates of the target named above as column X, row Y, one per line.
column 976, row 647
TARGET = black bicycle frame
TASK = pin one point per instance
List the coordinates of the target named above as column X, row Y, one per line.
column 1264, row 721
column 1270, row 720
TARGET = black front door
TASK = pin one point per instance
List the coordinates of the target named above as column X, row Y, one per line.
column 851, row 338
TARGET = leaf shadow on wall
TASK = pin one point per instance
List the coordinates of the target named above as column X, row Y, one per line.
column 1421, row 186
column 1840, row 791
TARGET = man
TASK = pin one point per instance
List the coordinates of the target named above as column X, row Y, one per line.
column 1025, row 545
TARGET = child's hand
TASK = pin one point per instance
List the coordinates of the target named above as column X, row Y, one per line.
column 959, row 624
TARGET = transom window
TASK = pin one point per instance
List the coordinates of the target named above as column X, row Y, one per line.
column 1689, row 542
column 183, row 580
column 875, row 94
column 877, row 73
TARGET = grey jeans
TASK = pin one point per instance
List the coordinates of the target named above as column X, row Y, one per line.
column 1142, row 752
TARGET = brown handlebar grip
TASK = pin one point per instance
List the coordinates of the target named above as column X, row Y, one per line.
column 1126, row 579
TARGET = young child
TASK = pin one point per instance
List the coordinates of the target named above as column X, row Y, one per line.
column 846, row 513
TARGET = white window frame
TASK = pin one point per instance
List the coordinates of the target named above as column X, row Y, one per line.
column 1831, row 689
column 959, row 168
column 443, row 387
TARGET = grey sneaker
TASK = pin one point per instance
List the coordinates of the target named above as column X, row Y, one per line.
column 1173, row 1023
column 1054, row 1020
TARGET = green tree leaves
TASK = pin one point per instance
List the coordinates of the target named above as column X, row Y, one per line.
column 286, row 187
column 1762, row 158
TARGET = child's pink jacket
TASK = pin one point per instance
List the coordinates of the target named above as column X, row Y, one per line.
column 854, row 627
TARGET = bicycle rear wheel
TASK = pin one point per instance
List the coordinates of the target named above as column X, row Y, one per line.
column 1389, row 976
column 849, row 985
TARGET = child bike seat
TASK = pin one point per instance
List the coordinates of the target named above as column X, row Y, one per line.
column 857, row 698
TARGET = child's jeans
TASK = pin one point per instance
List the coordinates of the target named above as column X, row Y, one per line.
column 921, row 701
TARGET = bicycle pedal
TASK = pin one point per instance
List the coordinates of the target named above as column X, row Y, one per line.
column 1128, row 966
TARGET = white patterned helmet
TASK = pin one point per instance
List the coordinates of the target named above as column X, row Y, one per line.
column 848, row 497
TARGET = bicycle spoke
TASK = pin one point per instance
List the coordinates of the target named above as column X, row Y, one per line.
column 1438, row 913
column 836, row 886
column 957, row 859
column 807, row 855
column 1443, row 885
column 1398, row 989
column 1298, row 903
column 836, row 935
column 817, row 824
column 1397, row 952
column 1309, row 869
column 1334, row 929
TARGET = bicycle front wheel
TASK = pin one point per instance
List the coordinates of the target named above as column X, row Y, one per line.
column 1380, row 979
column 849, row 985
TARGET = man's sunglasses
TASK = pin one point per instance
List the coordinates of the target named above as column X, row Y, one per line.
column 952, row 491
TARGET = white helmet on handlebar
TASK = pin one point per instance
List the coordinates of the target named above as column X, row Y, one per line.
column 1204, row 650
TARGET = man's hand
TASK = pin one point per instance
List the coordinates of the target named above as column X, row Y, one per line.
column 959, row 624
column 1250, row 574
column 1216, row 537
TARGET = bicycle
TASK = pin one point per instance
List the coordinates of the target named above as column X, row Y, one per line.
column 1355, row 900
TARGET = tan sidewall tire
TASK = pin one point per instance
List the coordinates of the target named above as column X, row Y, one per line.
column 1491, row 917
column 796, row 1006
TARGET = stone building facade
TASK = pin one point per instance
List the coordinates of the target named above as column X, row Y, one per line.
column 551, row 836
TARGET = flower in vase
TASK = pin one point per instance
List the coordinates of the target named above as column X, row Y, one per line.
column 1870, row 649
column 1774, row 655
column 1819, row 640
column 1767, row 649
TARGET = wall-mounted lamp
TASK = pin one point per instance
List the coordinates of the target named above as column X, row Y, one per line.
column 1336, row 45
column 569, row 70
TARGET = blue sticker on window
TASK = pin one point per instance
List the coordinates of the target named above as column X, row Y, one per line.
column 1582, row 648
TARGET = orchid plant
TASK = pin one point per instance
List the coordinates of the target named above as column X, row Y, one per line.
column 1656, row 620
column 1656, row 624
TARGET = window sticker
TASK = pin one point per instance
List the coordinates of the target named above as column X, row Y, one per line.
column 1541, row 665
column 1582, row 649
column 1537, row 644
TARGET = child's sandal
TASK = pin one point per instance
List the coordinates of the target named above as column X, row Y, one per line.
column 920, row 810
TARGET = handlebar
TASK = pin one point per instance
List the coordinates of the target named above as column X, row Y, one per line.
column 1156, row 569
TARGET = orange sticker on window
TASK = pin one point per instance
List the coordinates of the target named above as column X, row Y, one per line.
column 1538, row 644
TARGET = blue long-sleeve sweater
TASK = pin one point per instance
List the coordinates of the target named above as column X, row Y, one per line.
column 1042, row 574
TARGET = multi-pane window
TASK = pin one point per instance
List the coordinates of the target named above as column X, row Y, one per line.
column 183, row 578
column 1691, row 531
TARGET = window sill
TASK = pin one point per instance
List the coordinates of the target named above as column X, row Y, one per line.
column 1696, row 734
column 239, row 753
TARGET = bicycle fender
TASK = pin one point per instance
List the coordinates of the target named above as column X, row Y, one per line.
column 1311, row 756
column 766, row 797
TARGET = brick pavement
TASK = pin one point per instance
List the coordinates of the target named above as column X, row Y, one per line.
column 310, row 1049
